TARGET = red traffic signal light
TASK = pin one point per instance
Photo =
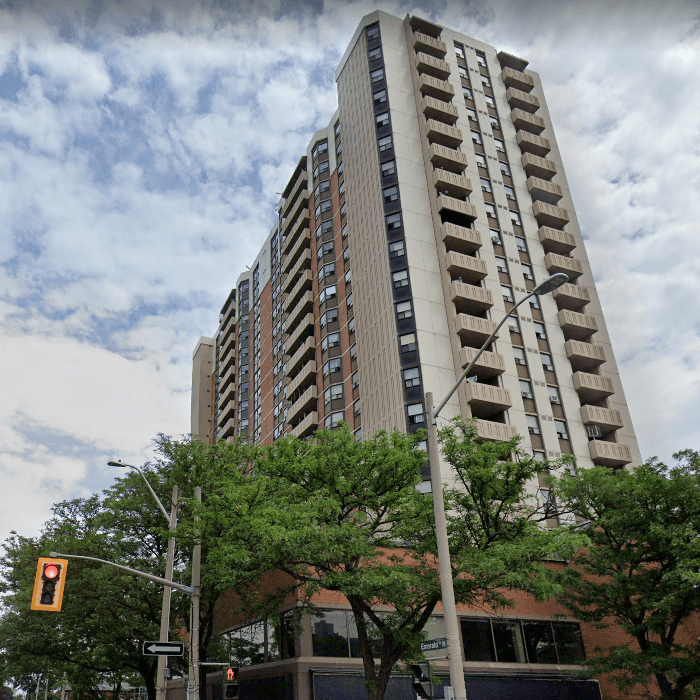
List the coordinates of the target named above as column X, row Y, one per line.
column 48, row 584
column 231, row 673
column 231, row 689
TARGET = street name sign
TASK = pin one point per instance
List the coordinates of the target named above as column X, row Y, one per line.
column 434, row 644
column 163, row 648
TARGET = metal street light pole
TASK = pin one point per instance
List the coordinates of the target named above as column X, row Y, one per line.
column 167, row 592
column 454, row 650
column 193, row 679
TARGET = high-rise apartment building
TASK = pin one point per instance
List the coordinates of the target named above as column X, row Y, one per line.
column 434, row 199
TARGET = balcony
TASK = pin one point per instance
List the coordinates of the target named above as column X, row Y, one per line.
column 430, row 65
column 306, row 304
column 517, row 99
column 307, row 400
column 537, row 166
column 486, row 400
column 584, row 356
column 306, row 352
column 439, row 89
column 468, row 268
column 609, row 454
column 555, row 241
column 571, row 296
column 543, row 191
column 299, row 186
column 517, row 79
column 577, row 326
column 303, row 241
column 302, row 264
column 427, row 44
column 456, row 205
column 560, row 263
column 447, row 158
column 472, row 329
column 536, row 145
column 469, row 299
column 443, row 134
column 507, row 60
column 451, row 184
column 460, row 239
column 228, row 428
column 488, row 430
column 592, row 387
column 226, row 396
column 228, row 379
column 307, row 426
column 489, row 364
column 549, row 215
column 526, row 122
column 304, row 284
column 292, row 234
column 605, row 418
column 301, row 203
column 307, row 375
column 437, row 109
column 299, row 334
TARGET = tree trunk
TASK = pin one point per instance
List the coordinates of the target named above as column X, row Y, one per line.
column 148, row 671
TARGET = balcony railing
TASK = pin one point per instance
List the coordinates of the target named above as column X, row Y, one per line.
column 437, row 109
column 472, row 329
column 470, row 299
column 451, row 184
column 577, row 326
column 508, row 60
column 543, row 191
column 555, row 241
column 584, row 356
column 488, row 430
column 604, row 418
column 486, row 400
column 302, row 264
column 305, row 304
column 609, row 454
column 468, row 268
column 560, row 263
column 517, row 99
column 308, row 399
column 304, row 284
column 538, row 166
column 571, row 296
column 447, row 158
column 306, row 374
column 299, row 334
column 489, row 364
column 549, row 215
column 456, row 205
column 517, row 79
column 427, row 44
column 306, row 351
column 307, row 425
column 430, row 65
column 524, row 121
column 440, row 89
column 299, row 186
column 592, row 387
column 443, row 134
column 460, row 239
column 303, row 241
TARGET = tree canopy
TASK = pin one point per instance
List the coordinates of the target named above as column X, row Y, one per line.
column 642, row 569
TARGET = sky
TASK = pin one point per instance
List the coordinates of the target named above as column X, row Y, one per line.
column 142, row 147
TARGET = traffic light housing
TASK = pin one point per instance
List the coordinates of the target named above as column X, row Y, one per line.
column 422, row 681
column 231, row 689
column 48, row 584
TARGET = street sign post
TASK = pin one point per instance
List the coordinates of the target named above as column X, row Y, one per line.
column 434, row 644
column 163, row 648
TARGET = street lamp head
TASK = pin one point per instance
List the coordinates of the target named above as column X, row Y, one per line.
column 551, row 283
column 117, row 464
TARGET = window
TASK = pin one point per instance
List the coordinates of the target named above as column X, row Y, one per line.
column 326, row 271
column 397, row 249
column 490, row 210
column 393, row 222
column 344, row 231
column 389, row 168
column 351, row 325
column 533, row 425
column 510, row 192
column 400, row 279
column 480, row 160
column 535, row 302
column 341, row 188
column 325, row 227
column 382, row 119
column 348, row 277
column 333, row 419
column 355, row 380
column 459, row 50
column 375, row 54
column 476, row 136
column 562, row 430
column 514, row 325
column 346, row 254
column 372, row 32
column 404, row 310
column 385, row 144
column 353, row 352
column 332, row 340
column 485, row 81
column 463, row 73
column 379, row 97
column 343, row 210
column 336, row 129
column 525, row 389
column 319, row 149
column 329, row 317
column 325, row 249
column 505, row 169
column 416, row 415
column 377, row 75
column 481, row 59
column 520, row 242
column 485, row 184
column 515, row 218
column 331, row 366
column 330, row 292
column 340, row 169
column 490, row 101
column 471, row 113
column 501, row 264
column 467, row 93
column 500, row 145
column 528, row 274
column 408, row 342
column 554, row 395
column 519, row 355
column 540, row 331
column 333, row 393
column 507, row 293
column 496, row 240
column 411, row 377
column 547, row 361
column 348, row 300
column 495, row 124
column 391, row 194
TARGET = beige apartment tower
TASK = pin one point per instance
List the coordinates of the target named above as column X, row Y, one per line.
column 434, row 199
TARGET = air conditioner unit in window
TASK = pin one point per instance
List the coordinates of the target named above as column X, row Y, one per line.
column 526, row 395
column 496, row 240
column 554, row 399
column 533, row 431
column 562, row 436
column 520, row 361
column 593, row 432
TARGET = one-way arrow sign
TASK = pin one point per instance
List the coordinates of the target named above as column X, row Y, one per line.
column 163, row 648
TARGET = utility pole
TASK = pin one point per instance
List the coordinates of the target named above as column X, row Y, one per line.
column 193, row 679
column 167, row 592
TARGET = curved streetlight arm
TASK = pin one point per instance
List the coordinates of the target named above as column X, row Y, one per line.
column 189, row 590
column 435, row 412
column 153, row 493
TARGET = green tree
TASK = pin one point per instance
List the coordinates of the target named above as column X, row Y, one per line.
column 345, row 515
column 642, row 569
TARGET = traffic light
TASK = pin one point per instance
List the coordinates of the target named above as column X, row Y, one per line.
column 422, row 684
column 231, row 687
column 48, row 584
